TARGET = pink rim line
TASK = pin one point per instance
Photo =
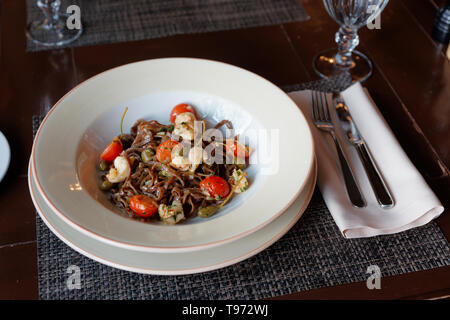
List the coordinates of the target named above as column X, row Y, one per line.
column 178, row 271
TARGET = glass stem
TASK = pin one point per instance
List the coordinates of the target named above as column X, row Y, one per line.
column 347, row 40
column 50, row 8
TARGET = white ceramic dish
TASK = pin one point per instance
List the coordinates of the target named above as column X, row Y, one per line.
column 174, row 263
column 75, row 131
column 5, row 155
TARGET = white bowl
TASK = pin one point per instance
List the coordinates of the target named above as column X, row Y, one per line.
column 74, row 132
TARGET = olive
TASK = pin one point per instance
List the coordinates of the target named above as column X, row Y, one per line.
column 103, row 165
column 106, row 185
column 147, row 155
column 207, row 212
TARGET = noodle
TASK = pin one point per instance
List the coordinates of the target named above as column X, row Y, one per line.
column 163, row 182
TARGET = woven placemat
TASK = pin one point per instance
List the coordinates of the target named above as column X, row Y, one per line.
column 110, row 21
column 313, row 254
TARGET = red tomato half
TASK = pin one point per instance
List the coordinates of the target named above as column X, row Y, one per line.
column 215, row 186
column 113, row 150
column 143, row 206
column 181, row 108
column 164, row 151
column 237, row 149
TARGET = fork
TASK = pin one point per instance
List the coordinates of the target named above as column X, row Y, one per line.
column 322, row 120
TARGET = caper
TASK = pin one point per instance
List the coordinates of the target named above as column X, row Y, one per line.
column 106, row 185
column 147, row 155
column 207, row 212
column 103, row 165
column 164, row 173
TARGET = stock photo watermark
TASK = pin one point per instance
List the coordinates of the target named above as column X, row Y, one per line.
column 74, row 280
column 374, row 280
column 208, row 146
column 74, row 19
column 374, row 23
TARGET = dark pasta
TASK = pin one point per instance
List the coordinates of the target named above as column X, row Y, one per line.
column 177, row 192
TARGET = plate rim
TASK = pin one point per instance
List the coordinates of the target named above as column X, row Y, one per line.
column 5, row 142
column 155, row 248
column 312, row 176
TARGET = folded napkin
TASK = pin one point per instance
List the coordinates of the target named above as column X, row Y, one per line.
column 415, row 203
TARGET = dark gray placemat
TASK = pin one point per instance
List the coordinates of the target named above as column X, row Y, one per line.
column 109, row 21
column 313, row 254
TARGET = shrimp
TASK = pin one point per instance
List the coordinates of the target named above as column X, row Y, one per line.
column 171, row 214
column 239, row 176
column 184, row 125
column 120, row 171
column 191, row 162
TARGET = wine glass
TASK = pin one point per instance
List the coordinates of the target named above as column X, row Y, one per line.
column 350, row 15
column 52, row 30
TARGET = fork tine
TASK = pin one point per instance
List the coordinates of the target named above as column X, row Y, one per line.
column 318, row 104
column 320, row 107
column 327, row 109
column 314, row 106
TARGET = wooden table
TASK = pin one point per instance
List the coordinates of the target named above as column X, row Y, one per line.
column 410, row 84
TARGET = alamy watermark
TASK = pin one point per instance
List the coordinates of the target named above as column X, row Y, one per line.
column 74, row 19
column 374, row 280
column 374, row 23
column 208, row 146
column 74, row 279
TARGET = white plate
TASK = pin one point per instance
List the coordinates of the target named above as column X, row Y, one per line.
column 5, row 155
column 174, row 263
column 73, row 134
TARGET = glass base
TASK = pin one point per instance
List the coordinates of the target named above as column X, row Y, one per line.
column 40, row 32
column 324, row 65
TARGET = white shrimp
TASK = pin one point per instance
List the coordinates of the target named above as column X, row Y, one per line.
column 238, row 175
column 196, row 156
column 191, row 162
column 171, row 214
column 178, row 160
column 120, row 171
column 184, row 125
column 185, row 117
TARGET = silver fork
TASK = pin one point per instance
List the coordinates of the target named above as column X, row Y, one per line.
column 322, row 120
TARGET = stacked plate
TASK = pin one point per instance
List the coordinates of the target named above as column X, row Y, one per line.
column 63, row 178
column 5, row 155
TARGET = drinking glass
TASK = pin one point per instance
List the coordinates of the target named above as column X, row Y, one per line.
column 52, row 30
column 350, row 15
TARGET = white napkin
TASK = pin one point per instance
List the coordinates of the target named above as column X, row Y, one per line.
column 415, row 203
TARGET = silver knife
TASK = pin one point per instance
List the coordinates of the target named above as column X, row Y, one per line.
column 379, row 187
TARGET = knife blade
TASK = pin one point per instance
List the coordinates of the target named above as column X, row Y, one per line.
column 376, row 180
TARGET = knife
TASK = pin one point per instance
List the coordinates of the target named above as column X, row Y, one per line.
column 377, row 182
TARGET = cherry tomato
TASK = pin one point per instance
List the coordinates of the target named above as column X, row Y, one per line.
column 238, row 149
column 143, row 206
column 112, row 150
column 215, row 186
column 164, row 151
column 179, row 109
